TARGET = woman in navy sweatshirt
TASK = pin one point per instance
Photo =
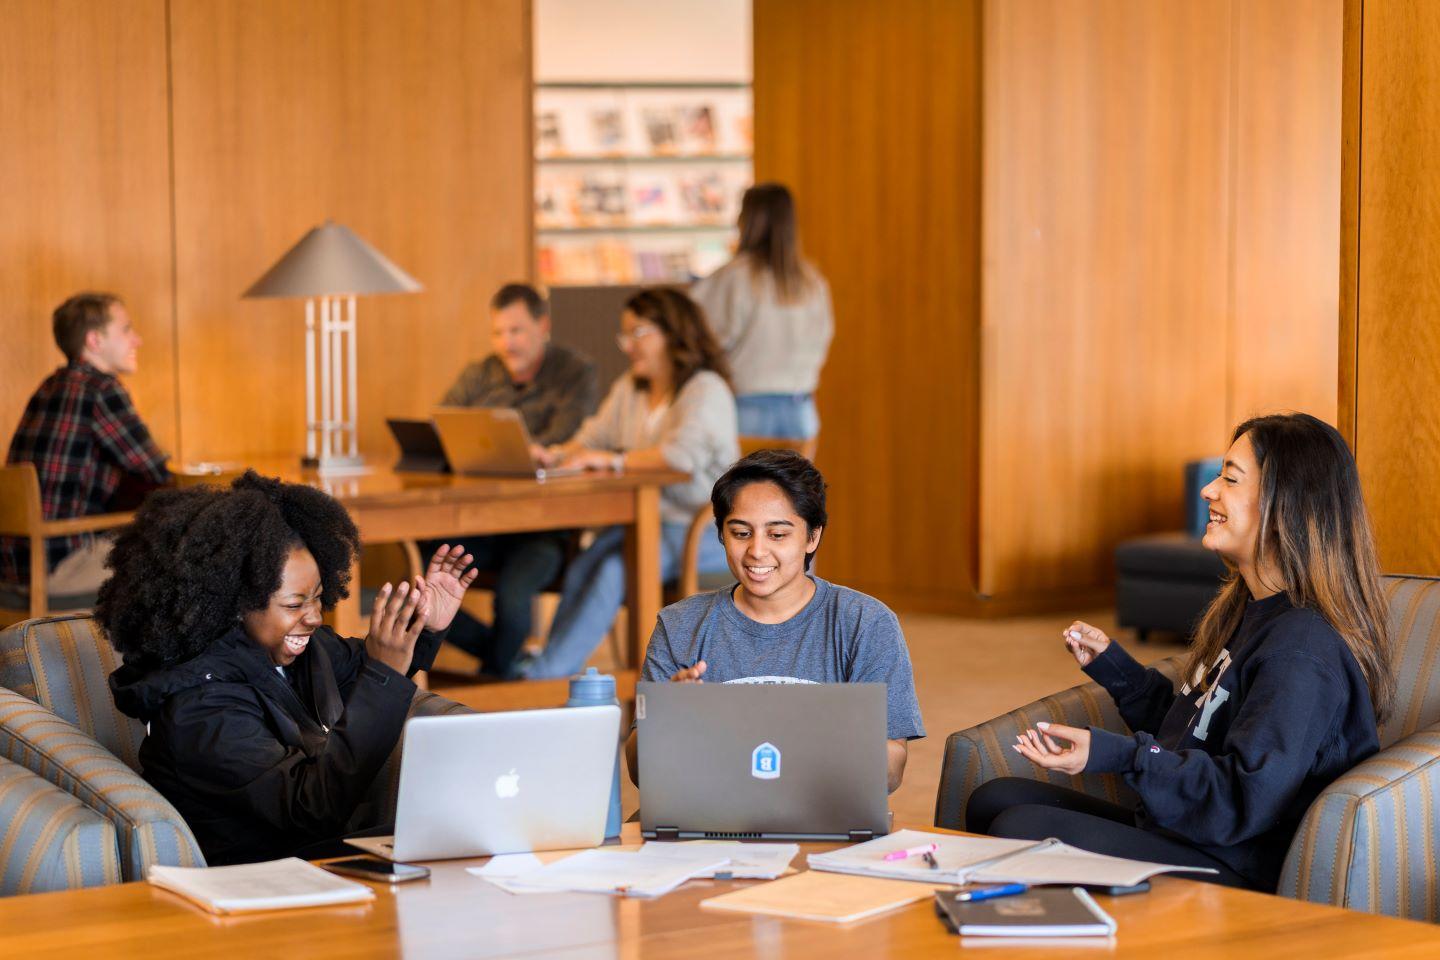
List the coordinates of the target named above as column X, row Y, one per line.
column 1288, row 677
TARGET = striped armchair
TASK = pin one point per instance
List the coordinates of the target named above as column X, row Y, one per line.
column 1369, row 842
column 59, row 722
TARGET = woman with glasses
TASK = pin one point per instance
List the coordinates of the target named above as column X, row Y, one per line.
column 672, row 410
column 770, row 310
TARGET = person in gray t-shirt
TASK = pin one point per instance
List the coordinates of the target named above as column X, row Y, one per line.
column 779, row 624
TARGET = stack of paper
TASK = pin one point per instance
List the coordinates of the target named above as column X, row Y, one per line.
column 748, row 861
column 276, row 885
column 608, row 871
column 990, row 860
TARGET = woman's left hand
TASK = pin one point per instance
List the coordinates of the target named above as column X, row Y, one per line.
column 1042, row 748
column 446, row 580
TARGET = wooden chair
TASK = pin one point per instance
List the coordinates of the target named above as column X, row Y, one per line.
column 689, row 582
column 21, row 516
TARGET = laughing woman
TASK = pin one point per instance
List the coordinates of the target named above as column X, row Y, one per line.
column 1289, row 674
column 265, row 728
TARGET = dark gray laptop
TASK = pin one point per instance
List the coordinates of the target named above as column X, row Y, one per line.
column 745, row 761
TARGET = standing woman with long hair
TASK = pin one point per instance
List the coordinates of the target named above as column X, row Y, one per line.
column 1289, row 675
column 672, row 410
column 770, row 311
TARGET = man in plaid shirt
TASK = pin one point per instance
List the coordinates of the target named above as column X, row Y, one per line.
column 82, row 433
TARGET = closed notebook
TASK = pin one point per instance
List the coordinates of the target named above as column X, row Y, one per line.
column 275, row 885
column 827, row 897
column 1044, row 912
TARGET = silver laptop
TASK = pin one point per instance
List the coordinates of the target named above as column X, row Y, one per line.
column 473, row 785
column 762, row 761
column 491, row 441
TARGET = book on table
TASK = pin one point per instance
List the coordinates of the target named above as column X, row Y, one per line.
column 1043, row 912
column 248, row 887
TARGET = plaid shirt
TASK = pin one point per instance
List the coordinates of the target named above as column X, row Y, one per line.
column 83, row 435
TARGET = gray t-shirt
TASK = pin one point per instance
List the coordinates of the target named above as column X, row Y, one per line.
column 841, row 636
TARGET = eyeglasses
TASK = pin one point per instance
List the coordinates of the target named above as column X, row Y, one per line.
column 623, row 340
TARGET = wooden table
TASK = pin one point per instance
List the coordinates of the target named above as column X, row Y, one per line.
column 388, row 505
column 453, row 914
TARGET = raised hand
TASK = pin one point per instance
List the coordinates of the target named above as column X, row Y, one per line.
column 446, row 580
column 1084, row 642
column 395, row 623
column 1042, row 749
column 690, row 674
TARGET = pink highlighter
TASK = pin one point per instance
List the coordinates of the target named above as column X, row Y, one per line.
column 912, row 852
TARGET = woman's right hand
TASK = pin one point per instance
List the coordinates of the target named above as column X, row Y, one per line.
column 395, row 623
column 690, row 674
column 1085, row 642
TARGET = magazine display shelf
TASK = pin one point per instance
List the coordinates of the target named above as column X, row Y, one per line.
column 638, row 182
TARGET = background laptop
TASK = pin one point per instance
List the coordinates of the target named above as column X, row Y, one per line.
column 420, row 448
column 762, row 761
column 472, row 785
column 490, row 440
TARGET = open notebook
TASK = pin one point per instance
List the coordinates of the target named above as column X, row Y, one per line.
column 276, row 885
column 989, row 860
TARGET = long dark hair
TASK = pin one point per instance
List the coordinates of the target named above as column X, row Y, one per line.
column 1314, row 526
column 688, row 340
column 770, row 241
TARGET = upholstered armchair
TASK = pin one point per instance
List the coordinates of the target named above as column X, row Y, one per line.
column 1369, row 842
column 90, row 818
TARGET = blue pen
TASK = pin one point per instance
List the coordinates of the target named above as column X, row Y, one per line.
column 990, row 893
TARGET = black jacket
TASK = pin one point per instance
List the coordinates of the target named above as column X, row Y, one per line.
column 261, row 765
column 1235, row 773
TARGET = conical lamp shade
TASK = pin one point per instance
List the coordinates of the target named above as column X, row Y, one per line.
column 328, row 261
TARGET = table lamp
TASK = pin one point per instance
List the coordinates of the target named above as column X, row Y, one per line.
column 329, row 267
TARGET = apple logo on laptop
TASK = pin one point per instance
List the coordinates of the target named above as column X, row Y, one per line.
column 507, row 785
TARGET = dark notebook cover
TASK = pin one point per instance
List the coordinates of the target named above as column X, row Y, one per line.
column 1039, row 912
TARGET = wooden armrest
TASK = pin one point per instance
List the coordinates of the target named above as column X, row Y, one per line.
column 90, row 524
column 690, row 556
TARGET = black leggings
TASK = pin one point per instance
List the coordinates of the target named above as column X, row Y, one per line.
column 1034, row 810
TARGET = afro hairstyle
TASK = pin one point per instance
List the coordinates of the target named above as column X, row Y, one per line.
column 195, row 560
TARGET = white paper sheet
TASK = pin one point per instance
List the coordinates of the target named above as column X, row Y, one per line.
column 748, row 861
column 615, row 872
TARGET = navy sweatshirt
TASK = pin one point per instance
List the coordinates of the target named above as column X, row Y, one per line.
column 1234, row 772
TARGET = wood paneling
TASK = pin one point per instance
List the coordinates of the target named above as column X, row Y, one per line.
column 870, row 112
column 1285, row 250
column 1157, row 217
column 410, row 124
column 1396, row 372
column 85, row 174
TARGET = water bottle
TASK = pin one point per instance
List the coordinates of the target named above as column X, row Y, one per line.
column 593, row 689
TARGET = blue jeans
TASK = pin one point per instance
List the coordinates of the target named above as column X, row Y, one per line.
column 789, row 416
column 595, row 589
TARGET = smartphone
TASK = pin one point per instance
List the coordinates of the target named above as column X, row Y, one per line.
column 373, row 868
column 1142, row 887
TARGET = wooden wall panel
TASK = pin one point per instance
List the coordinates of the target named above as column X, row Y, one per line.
column 1396, row 374
column 1286, row 223
column 870, row 112
column 85, row 172
column 410, row 124
column 1106, row 242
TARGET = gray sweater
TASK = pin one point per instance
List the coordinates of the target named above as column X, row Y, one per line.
column 695, row 433
column 773, row 347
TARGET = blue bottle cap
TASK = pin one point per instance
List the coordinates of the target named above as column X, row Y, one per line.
column 590, row 688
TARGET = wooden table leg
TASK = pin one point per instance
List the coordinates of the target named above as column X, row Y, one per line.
column 642, row 573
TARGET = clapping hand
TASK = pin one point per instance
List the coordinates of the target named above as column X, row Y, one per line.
column 445, row 582
column 395, row 623
column 1084, row 642
column 1042, row 749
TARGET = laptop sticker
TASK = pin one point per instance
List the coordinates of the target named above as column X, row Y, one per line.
column 765, row 762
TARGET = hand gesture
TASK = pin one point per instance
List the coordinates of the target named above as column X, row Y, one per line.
column 446, row 580
column 690, row 674
column 1084, row 642
column 395, row 622
column 1042, row 749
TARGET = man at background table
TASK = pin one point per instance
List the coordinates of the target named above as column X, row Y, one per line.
column 91, row 451
column 554, row 389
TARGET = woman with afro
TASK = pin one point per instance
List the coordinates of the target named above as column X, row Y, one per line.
column 265, row 728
